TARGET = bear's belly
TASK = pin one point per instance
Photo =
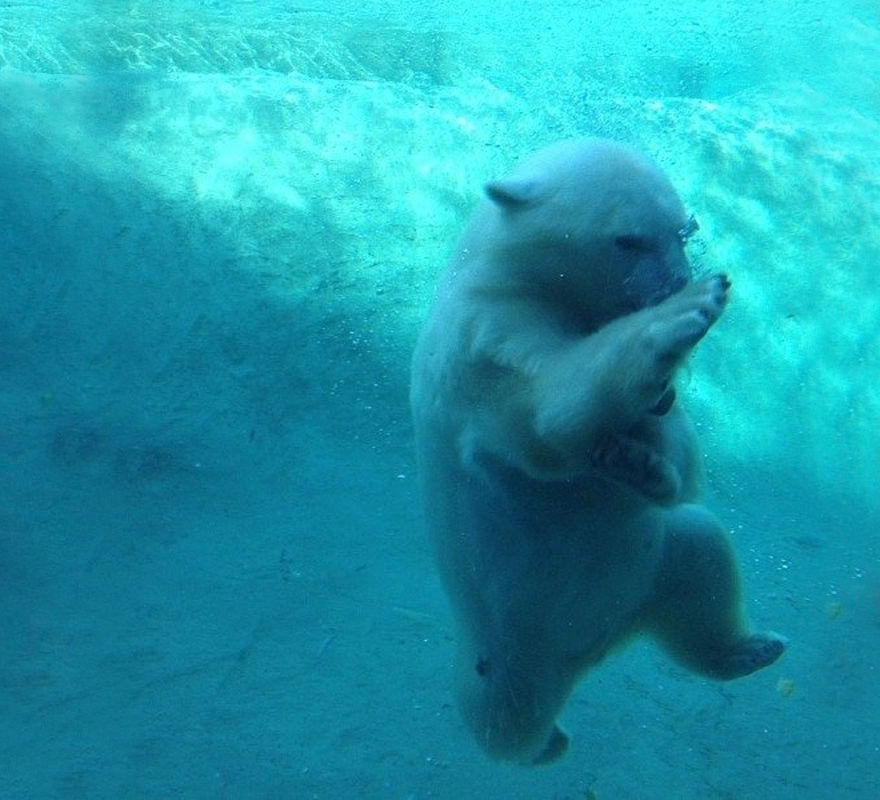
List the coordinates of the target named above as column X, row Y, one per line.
column 564, row 565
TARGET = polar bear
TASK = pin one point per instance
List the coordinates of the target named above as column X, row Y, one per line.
column 560, row 474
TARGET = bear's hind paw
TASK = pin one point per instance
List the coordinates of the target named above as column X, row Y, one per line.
column 555, row 748
column 750, row 654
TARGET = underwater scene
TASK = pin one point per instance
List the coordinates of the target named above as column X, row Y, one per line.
column 223, row 226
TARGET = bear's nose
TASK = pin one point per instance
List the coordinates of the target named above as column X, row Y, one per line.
column 677, row 283
column 656, row 277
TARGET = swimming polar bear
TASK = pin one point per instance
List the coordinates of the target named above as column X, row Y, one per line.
column 560, row 475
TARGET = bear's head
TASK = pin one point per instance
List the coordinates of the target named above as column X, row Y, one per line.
column 592, row 224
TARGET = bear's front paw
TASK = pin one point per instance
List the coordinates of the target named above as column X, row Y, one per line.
column 684, row 318
column 633, row 463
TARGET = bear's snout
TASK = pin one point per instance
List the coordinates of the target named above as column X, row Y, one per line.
column 655, row 277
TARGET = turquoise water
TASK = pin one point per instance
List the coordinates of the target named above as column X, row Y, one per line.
column 220, row 228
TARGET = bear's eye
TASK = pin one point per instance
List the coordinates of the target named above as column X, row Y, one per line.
column 633, row 243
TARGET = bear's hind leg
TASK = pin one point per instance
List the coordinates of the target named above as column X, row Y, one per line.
column 510, row 698
column 696, row 610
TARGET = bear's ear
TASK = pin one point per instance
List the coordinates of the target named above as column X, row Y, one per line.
column 513, row 193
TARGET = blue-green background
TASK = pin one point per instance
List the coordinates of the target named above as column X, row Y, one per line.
column 220, row 226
